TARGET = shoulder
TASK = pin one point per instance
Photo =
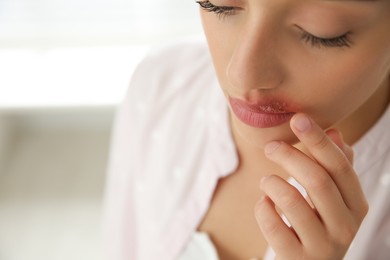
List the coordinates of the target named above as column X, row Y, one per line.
column 171, row 64
column 170, row 80
column 170, row 86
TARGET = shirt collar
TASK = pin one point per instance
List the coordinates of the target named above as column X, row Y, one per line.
column 224, row 150
column 373, row 144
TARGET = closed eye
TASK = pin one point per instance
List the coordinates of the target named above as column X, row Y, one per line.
column 339, row 41
column 220, row 11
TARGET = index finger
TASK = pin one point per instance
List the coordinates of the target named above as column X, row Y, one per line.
column 331, row 158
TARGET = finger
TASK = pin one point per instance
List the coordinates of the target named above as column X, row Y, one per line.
column 329, row 156
column 320, row 187
column 337, row 138
column 278, row 235
column 300, row 215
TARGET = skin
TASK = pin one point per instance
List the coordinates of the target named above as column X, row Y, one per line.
column 336, row 93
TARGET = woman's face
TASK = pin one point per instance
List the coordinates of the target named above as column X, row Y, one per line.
column 273, row 58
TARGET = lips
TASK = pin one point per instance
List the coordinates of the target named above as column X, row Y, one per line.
column 263, row 114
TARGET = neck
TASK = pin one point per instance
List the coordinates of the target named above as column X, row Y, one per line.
column 359, row 122
column 253, row 163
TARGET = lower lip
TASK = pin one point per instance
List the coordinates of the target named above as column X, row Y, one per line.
column 258, row 118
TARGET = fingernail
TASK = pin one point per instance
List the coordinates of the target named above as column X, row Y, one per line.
column 302, row 124
column 271, row 147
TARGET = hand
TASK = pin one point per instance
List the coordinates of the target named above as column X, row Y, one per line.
column 324, row 226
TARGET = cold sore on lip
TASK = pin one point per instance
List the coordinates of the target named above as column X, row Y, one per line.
column 262, row 114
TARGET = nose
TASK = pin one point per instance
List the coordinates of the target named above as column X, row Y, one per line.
column 255, row 62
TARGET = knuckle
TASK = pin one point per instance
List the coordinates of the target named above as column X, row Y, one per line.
column 271, row 228
column 330, row 248
column 286, row 151
column 333, row 246
column 346, row 235
column 320, row 181
column 327, row 250
column 290, row 198
column 349, row 153
column 366, row 208
column 343, row 165
column 363, row 210
column 321, row 142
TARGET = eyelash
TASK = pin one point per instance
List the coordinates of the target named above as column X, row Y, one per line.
column 220, row 11
column 314, row 41
column 339, row 41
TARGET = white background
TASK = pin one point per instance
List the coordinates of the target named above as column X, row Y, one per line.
column 79, row 52
column 64, row 68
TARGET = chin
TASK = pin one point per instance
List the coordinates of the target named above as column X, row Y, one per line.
column 259, row 137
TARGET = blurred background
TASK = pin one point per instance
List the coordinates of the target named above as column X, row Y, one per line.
column 64, row 68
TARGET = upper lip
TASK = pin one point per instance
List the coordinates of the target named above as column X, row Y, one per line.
column 269, row 106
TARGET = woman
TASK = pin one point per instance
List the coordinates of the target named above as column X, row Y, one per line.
column 263, row 168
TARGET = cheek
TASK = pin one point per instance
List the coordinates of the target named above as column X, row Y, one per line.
column 338, row 85
column 359, row 73
column 221, row 42
column 220, row 54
